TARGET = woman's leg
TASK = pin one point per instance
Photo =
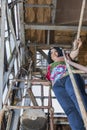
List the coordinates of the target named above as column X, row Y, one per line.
column 81, row 86
column 68, row 106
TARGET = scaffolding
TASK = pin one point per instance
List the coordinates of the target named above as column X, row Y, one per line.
column 15, row 72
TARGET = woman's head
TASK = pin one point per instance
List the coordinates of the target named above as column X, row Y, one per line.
column 54, row 51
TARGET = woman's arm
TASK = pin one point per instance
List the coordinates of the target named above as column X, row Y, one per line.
column 75, row 51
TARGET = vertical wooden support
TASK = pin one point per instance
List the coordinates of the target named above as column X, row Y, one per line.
column 9, row 120
column 77, row 93
column 3, row 14
column 51, row 110
column 54, row 2
column 81, row 18
column 21, row 31
column 2, row 113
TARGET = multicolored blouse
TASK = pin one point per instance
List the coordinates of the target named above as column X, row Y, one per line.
column 56, row 71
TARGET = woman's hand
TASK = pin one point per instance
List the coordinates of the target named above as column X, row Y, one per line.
column 76, row 46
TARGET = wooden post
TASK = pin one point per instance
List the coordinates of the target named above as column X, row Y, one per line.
column 3, row 7
column 81, row 18
column 77, row 93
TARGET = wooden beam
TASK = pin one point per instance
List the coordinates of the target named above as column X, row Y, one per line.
column 21, row 29
column 77, row 93
column 45, row 46
column 53, row 27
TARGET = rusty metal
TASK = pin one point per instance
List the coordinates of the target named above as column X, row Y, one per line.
column 26, row 107
column 2, row 112
column 51, row 110
column 9, row 121
column 31, row 95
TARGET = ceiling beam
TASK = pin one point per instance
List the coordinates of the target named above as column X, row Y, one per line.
column 53, row 27
column 46, row 46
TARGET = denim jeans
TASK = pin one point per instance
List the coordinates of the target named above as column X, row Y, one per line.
column 65, row 95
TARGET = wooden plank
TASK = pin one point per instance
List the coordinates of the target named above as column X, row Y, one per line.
column 53, row 27
column 21, row 29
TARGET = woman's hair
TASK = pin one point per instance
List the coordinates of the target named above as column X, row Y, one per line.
column 59, row 50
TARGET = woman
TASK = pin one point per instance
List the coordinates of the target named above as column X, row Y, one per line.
column 57, row 75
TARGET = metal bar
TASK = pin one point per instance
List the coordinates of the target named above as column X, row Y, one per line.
column 31, row 95
column 23, row 100
column 77, row 93
column 25, row 90
column 9, row 121
column 53, row 27
column 7, row 95
column 42, row 95
column 3, row 16
column 16, row 113
column 13, row 32
column 48, row 37
column 2, row 112
column 15, row 120
column 6, row 76
column 26, row 107
column 51, row 110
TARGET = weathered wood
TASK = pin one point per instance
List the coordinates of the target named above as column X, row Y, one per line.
column 81, row 18
column 53, row 27
column 9, row 120
column 21, row 30
column 26, row 107
column 31, row 95
column 77, row 93
column 2, row 113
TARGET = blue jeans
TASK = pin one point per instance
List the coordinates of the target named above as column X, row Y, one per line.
column 64, row 93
